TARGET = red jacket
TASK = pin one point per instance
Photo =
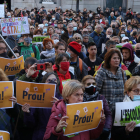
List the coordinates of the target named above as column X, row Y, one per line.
column 61, row 77
column 58, row 111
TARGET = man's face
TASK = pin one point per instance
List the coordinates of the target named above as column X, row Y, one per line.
column 137, row 47
column 109, row 32
column 92, row 50
column 72, row 53
column 61, row 49
column 3, row 48
column 126, row 54
column 110, row 47
column 112, row 15
column 86, row 39
column 70, row 28
column 98, row 29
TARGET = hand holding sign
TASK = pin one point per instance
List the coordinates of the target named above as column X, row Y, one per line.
column 13, row 99
column 130, row 127
column 25, row 108
column 62, row 123
column 102, row 116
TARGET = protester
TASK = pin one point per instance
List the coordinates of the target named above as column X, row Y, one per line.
column 110, row 78
column 129, row 132
column 55, row 125
column 3, row 49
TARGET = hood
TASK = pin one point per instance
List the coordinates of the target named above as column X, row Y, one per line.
column 59, row 107
column 130, row 48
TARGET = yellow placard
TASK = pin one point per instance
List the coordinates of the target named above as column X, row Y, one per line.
column 83, row 116
column 35, row 94
column 12, row 66
column 4, row 135
column 6, row 91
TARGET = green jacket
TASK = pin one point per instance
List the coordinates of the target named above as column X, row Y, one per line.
column 27, row 51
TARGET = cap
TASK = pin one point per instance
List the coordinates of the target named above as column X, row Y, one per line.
column 124, row 38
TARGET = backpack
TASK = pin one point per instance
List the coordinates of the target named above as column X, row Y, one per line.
column 33, row 47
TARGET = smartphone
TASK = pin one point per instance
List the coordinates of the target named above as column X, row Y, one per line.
column 41, row 67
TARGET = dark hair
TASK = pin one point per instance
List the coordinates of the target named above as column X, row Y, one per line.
column 110, row 42
column 109, row 55
column 10, row 54
column 59, row 44
column 29, row 61
column 47, row 75
column 91, row 44
column 60, row 57
column 70, row 40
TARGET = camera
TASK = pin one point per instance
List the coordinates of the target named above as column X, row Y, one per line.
column 41, row 66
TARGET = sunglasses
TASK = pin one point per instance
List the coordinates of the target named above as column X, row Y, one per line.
column 53, row 79
column 88, row 84
column 77, row 38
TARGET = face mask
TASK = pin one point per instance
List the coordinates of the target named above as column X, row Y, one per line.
column 46, row 24
column 137, row 52
column 136, row 98
column 4, row 55
column 68, row 54
column 65, row 66
column 70, row 19
column 75, row 28
column 62, row 32
column 90, row 15
column 50, row 23
column 45, row 30
column 35, row 74
column 18, row 36
column 53, row 18
column 90, row 89
column 9, row 16
column 55, row 41
column 55, row 25
column 122, row 35
column 28, row 40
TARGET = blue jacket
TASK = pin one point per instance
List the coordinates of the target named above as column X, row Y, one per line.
column 110, row 19
column 96, row 37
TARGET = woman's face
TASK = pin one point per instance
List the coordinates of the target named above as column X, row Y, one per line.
column 76, row 97
column 48, row 45
column 63, row 60
column 38, row 33
column 51, row 31
column 52, row 77
column 88, row 82
column 135, row 91
column 115, row 60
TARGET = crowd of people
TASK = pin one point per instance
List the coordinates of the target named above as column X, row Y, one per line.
column 81, row 70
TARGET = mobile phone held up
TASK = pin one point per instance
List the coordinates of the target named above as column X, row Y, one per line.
column 41, row 67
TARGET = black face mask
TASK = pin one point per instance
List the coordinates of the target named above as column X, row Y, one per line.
column 138, row 53
column 4, row 55
column 90, row 90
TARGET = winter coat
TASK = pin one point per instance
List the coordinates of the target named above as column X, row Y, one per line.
column 58, row 111
column 107, row 112
column 96, row 37
column 119, row 133
column 110, row 19
column 38, row 119
column 50, row 60
column 11, row 41
column 110, row 85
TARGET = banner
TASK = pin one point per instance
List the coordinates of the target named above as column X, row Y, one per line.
column 121, row 44
column 127, row 112
column 12, row 66
column 38, row 39
column 4, row 135
column 6, row 92
column 14, row 26
column 35, row 94
column 2, row 13
column 83, row 116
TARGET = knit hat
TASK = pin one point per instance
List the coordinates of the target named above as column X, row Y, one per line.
column 75, row 47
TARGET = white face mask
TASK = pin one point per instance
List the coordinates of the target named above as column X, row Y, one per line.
column 90, row 15
column 55, row 41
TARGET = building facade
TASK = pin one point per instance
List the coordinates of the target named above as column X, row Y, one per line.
column 71, row 4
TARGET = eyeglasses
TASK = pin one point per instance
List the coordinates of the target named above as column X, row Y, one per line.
column 3, row 49
column 137, row 91
column 77, row 38
column 53, row 79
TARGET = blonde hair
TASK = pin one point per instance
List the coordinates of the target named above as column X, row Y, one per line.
column 70, row 87
column 3, row 76
column 130, row 83
column 86, row 78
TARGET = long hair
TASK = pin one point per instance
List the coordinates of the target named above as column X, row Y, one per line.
column 3, row 76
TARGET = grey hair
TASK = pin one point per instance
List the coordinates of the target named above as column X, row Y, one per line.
column 98, row 25
column 69, row 24
column 110, row 29
column 53, row 35
column 107, row 21
column 76, row 34
column 85, row 35
column 110, row 42
column 90, row 27
column 112, row 13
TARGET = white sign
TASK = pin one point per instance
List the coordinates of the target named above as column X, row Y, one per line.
column 2, row 11
column 14, row 26
column 127, row 112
